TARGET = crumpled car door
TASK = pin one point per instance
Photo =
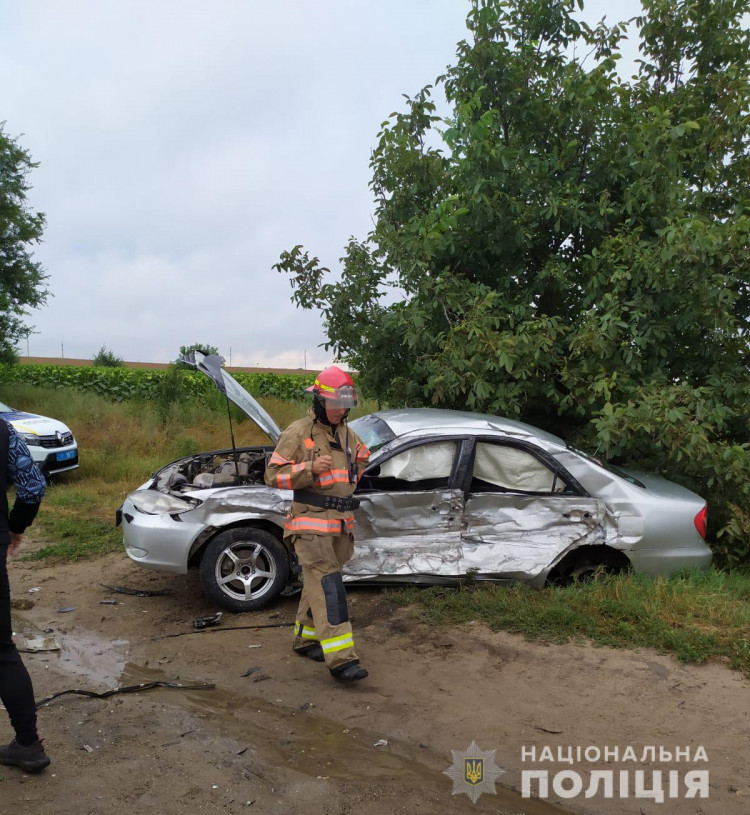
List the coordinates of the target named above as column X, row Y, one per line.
column 519, row 515
column 409, row 519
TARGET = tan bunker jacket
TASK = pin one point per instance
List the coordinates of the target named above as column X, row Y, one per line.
column 290, row 468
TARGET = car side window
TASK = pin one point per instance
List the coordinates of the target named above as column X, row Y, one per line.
column 424, row 467
column 502, row 468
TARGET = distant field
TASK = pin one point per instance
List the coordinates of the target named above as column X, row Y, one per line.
column 159, row 365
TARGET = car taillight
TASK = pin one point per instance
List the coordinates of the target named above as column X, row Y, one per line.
column 700, row 521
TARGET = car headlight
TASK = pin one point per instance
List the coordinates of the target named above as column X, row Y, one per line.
column 158, row 503
column 31, row 440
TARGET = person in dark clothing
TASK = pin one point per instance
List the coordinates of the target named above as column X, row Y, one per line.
column 16, row 692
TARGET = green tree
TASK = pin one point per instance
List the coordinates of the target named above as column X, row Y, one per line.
column 196, row 346
column 105, row 358
column 567, row 247
column 21, row 278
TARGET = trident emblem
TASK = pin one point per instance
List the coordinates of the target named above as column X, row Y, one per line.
column 474, row 770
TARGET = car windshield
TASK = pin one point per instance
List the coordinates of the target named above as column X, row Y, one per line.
column 5, row 408
column 612, row 468
column 373, row 431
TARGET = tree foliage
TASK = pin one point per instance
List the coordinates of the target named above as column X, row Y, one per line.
column 21, row 278
column 204, row 348
column 568, row 247
column 104, row 358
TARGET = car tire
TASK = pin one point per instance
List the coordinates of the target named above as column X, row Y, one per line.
column 582, row 565
column 244, row 568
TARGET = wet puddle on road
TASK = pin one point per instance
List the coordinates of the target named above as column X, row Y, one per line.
column 320, row 747
column 81, row 653
column 288, row 737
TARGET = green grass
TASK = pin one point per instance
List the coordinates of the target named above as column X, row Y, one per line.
column 695, row 616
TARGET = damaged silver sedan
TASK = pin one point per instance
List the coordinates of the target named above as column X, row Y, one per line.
column 446, row 495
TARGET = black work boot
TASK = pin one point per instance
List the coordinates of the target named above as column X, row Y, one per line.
column 313, row 651
column 31, row 758
column 349, row 672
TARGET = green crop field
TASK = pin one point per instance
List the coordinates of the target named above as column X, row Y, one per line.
column 122, row 384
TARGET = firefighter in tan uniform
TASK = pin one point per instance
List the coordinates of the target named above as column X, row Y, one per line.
column 321, row 459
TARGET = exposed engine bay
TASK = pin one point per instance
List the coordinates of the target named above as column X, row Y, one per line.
column 216, row 469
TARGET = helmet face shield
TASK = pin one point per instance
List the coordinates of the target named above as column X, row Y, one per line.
column 334, row 388
column 342, row 397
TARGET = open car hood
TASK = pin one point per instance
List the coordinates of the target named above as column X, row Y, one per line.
column 211, row 366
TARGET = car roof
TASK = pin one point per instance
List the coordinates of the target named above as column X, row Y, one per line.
column 410, row 420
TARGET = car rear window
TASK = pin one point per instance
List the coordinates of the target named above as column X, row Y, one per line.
column 612, row 468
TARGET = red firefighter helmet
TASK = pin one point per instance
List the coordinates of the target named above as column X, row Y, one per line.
column 335, row 388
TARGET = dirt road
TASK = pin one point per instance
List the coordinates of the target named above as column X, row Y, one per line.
column 278, row 735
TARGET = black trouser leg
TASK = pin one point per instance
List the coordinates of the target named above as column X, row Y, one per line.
column 16, row 691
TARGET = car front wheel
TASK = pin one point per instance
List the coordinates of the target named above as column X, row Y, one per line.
column 244, row 569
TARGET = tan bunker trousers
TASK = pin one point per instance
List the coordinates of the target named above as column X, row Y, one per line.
column 323, row 614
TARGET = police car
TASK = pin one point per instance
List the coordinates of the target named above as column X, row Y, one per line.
column 51, row 443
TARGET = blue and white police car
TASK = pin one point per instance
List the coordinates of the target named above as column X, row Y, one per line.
column 51, row 443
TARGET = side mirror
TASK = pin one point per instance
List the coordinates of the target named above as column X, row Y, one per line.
column 372, row 472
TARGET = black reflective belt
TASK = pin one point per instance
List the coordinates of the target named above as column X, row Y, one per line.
column 314, row 499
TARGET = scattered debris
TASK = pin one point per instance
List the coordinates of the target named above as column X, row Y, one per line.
column 423, row 746
column 306, row 706
column 381, row 743
column 251, row 670
column 21, row 603
column 110, row 603
column 261, row 678
column 258, row 645
column 205, row 622
column 87, row 748
column 34, row 645
column 545, row 730
column 137, row 592
column 242, row 751
column 66, row 609
column 128, row 689
column 35, row 589
column 221, row 630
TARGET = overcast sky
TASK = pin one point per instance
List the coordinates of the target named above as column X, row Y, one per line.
column 184, row 144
